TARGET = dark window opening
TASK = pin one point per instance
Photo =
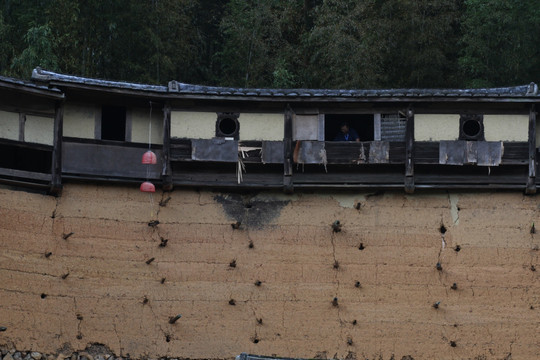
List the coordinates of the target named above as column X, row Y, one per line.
column 227, row 125
column 27, row 159
column 471, row 127
column 113, row 123
column 362, row 123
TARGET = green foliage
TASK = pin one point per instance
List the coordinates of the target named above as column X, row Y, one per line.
column 501, row 43
column 255, row 40
column 392, row 43
column 277, row 43
column 283, row 78
column 39, row 52
column 6, row 50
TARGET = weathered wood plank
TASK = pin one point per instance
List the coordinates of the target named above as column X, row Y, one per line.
column 216, row 149
column 287, row 150
column 26, row 145
column 409, row 152
column 166, row 172
column 379, row 152
column 122, row 144
column 28, row 175
column 489, row 153
column 452, row 152
column 108, row 161
column 372, row 152
column 56, row 169
column 272, row 152
column 427, row 152
column 228, row 179
column 311, row 152
column 463, row 175
column 531, row 181
column 180, row 150
column 372, row 177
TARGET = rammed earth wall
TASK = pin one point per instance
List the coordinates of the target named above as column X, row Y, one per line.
column 265, row 273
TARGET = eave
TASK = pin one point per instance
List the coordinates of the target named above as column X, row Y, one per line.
column 181, row 91
column 23, row 87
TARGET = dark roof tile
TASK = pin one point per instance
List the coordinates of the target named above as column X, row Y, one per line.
column 174, row 87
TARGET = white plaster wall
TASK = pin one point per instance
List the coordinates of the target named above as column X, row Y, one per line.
column 261, row 126
column 306, row 127
column 140, row 128
column 9, row 125
column 79, row 121
column 38, row 129
column 193, row 125
column 436, row 127
column 506, row 127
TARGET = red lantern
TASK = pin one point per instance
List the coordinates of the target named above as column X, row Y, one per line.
column 147, row 186
column 149, row 158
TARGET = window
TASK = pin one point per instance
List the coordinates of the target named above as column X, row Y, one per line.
column 227, row 125
column 362, row 123
column 471, row 127
column 113, row 123
column 391, row 127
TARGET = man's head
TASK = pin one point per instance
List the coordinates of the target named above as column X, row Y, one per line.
column 344, row 127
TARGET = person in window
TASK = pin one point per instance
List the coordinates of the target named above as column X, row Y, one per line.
column 346, row 133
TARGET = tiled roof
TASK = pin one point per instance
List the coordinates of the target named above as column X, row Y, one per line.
column 530, row 90
column 48, row 76
column 178, row 89
column 29, row 87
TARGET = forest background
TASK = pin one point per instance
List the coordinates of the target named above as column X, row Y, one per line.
column 277, row 43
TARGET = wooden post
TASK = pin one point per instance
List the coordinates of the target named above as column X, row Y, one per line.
column 409, row 152
column 166, row 173
column 287, row 151
column 22, row 123
column 531, row 180
column 56, row 169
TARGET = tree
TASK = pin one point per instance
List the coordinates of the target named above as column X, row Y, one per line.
column 6, row 49
column 39, row 52
column 261, row 42
column 393, row 43
column 501, row 45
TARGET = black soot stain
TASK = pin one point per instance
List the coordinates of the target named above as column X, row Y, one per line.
column 249, row 211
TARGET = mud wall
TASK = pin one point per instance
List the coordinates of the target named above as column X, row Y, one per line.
column 267, row 274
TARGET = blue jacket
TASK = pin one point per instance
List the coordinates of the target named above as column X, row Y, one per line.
column 352, row 135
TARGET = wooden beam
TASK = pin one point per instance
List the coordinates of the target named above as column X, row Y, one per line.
column 56, row 169
column 288, row 151
column 27, row 175
column 22, row 122
column 531, row 181
column 128, row 131
column 166, row 174
column 409, row 152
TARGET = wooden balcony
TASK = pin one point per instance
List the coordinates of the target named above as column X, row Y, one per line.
column 107, row 160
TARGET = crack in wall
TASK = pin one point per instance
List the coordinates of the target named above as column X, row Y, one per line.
column 79, row 318
column 454, row 208
column 336, row 279
column 118, row 338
